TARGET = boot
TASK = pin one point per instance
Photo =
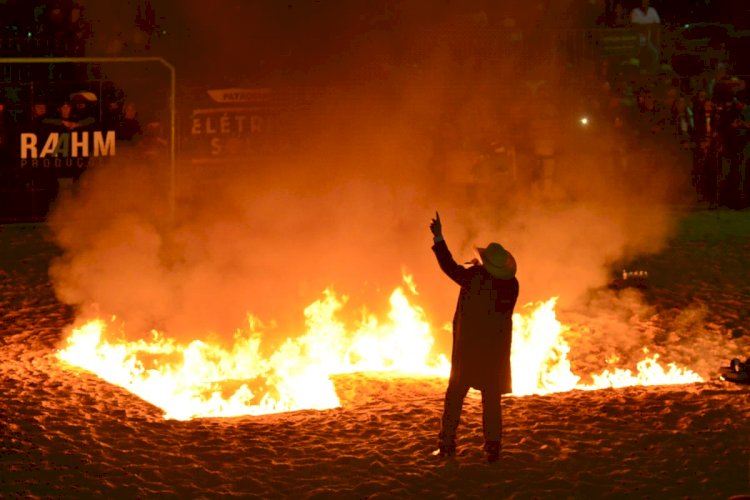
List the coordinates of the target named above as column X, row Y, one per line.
column 445, row 450
column 492, row 448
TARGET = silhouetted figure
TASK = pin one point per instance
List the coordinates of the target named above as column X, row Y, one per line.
column 152, row 144
column 38, row 115
column 733, row 132
column 65, row 121
column 7, row 137
column 111, row 114
column 79, row 30
column 682, row 122
column 482, row 335
column 82, row 112
column 619, row 17
column 706, row 158
column 129, row 127
column 652, row 122
column 647, row 23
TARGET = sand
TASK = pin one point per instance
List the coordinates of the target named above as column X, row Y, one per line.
column 68, row 434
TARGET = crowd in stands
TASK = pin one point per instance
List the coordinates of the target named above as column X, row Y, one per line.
column 44, row 28
column 66, row 28
column 643, row 113
column 80, row 111
column 700, row 121
column 701, row 127
column 53, row 97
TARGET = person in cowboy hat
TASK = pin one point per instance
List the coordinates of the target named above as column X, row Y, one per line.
column 482, row 334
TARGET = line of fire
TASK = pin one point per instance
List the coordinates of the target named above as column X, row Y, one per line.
column 225, row 127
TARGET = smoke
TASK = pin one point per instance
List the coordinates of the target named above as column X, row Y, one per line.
column 397, row 132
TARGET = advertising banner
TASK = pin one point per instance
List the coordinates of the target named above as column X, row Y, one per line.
column 227, row 124
column 60, row 129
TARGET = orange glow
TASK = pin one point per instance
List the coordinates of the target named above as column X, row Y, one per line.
column 202, row 378
column 193, row 380
column 540, row 359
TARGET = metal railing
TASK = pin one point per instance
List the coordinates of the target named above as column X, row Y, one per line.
column 40, row 46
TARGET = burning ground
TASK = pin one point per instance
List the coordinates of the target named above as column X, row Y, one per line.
column 68, row 433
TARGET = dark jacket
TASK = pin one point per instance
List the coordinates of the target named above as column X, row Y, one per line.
column 482, row 324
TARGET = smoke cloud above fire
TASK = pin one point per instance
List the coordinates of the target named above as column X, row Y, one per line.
column 396, row 130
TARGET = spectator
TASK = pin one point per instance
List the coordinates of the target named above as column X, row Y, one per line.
column 82, row 112
column 64, row 121
column 145, row 20
column 682, row 128
column 79, row 31
column 129, row 128
column 112, row 98
column 671, row 91
column 703, row 113
column 63, row 24
column 7, row 137
column 707, row 149
column 544, row 126
column 732, row 130
column 619, row 16
column 39, row 114
column 682, row 122
column 153, row 145
column 647, row 22
column 55, row 26
column 723, row 86
column 44, row 179
column 111, row 114
column 743, row 124
column 615, row 127
column 652, row 121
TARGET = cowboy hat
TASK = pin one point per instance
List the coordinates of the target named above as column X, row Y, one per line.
column 497, row 261
column 83, row 95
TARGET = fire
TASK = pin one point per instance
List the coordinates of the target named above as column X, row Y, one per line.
column 203, row 378
column 540, row 362
column 539, row 354
column 188, row 381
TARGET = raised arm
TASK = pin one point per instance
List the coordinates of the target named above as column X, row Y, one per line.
column 456, row 272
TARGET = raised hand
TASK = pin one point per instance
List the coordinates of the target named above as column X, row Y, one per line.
column 436, row 226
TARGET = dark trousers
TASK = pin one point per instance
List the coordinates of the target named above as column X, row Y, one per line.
column 492, row 419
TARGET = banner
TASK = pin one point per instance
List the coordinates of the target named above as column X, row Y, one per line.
column 229, row 132
column 229, row 124
column 70, row 150
column 58, row 129
column 50, row 133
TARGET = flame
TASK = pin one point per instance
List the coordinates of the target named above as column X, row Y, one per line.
column 540, row 365
column 188, row 381
column 203, row 378
column 539, row 354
